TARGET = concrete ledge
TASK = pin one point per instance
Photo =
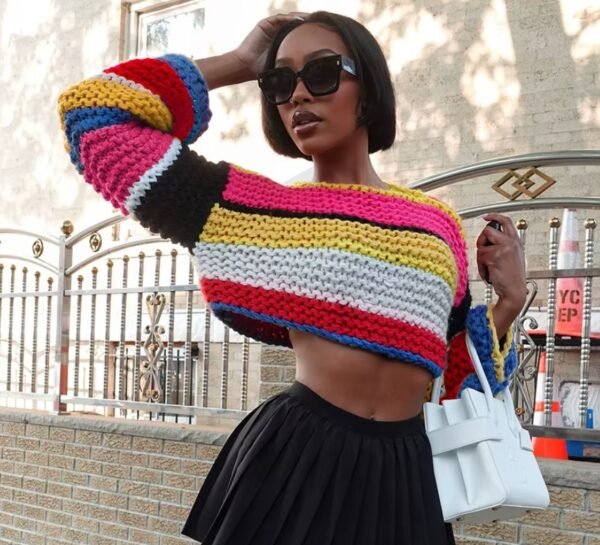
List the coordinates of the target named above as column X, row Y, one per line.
column 571, row 474
column 204, row 433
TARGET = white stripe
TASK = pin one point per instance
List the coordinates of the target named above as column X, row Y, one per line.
column 125, row 82
column 139, row 188
column 404, row 293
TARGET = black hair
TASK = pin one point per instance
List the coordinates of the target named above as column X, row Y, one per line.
column 377, row 101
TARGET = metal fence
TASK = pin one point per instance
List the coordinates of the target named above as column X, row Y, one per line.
column 89, row 325
column 525, row 178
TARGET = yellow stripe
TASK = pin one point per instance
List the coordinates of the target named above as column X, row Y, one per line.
column 418, row 250
column 246, row 171
column 498, row 355
column 105, row 93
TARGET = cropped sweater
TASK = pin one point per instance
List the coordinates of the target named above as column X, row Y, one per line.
column 380, row 270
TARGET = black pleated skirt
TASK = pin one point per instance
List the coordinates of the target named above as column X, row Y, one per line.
column 300, row 471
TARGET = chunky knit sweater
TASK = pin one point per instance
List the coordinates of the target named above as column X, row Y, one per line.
column 384, row 271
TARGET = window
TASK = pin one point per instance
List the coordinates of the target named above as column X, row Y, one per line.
column 156, row 27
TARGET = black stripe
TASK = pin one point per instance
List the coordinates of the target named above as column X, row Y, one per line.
column 458, row 316
column 179, row 203
column 278, row 213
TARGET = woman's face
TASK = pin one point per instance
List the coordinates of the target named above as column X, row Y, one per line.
column 330, row 121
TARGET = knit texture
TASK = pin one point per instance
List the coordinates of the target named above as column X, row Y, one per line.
column 380, row 270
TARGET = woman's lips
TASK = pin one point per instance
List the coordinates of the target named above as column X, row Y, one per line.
column 304, row 122
column 306, row 128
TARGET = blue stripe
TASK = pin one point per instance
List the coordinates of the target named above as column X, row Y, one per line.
column 479, row 330
column 196, row 86
column 82, row 120
column 394, row 353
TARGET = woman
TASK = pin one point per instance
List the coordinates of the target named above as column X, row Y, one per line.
column 366, row 281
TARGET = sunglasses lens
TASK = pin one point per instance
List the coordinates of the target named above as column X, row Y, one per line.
column 322, row 76
column 277, row 85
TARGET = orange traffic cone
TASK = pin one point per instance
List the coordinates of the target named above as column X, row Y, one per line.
column 546, row 447
column 550, row 447
column 569, row 291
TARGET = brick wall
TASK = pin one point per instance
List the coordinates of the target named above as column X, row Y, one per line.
column 483, row 79
column 86, row 480
column 277, row 370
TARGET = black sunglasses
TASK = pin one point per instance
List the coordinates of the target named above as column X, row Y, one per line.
column 320, row 76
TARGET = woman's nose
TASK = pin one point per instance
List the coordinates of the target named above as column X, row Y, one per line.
column 301, row 93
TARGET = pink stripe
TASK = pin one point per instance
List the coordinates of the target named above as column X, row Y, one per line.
column 114, row 158
column 257, row 191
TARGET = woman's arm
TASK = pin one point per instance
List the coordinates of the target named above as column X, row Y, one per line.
column 501, row 253
column 224, row 70
column 128, row 130
column 490, row 327
column 247, row 60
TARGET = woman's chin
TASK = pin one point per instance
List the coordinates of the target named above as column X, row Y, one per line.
column 311, row 148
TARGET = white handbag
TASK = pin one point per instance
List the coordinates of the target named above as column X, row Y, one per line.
column 482, row 458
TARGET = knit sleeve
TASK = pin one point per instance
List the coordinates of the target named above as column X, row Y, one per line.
column 127, row 130
column 498, row 358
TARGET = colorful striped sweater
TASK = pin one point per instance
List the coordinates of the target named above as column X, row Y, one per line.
column 380, row 270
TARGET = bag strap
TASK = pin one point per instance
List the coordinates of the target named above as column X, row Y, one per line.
column 462, row 434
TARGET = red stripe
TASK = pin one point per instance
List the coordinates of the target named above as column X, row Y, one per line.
column 540, row 405
column 333, row 317
column 162, row 80
column 459, row 365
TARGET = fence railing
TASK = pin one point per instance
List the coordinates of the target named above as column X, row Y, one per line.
column 111, row 328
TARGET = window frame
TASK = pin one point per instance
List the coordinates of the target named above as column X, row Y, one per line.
column 137, row 14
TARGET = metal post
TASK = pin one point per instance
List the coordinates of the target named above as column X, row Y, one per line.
column 225, row 368
column 584, row 367
column 63, row 315
column 550, row 330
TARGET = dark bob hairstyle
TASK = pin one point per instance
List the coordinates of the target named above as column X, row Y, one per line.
column 377, row 110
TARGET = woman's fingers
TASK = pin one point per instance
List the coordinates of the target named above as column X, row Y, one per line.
column 507, row 224
column 500, row 253
column 281, row 19
column 490, row 236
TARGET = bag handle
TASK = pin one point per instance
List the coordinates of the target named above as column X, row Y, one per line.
column 489, row 398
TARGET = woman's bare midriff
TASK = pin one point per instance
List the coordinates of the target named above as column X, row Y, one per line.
column 360, row 382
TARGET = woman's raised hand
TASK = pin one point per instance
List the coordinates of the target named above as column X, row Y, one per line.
column 501, row 253
column 252, row 51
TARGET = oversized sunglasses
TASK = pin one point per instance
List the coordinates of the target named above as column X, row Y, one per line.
column 320, row 76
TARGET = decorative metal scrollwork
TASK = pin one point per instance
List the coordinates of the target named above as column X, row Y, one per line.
column 151, row 389
column 38, row 248
column 527, row 352
column 524, row 184
column 95, row 242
